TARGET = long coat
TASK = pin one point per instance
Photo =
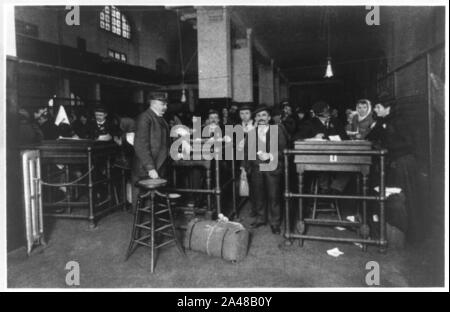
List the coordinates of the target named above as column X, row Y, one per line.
column 151, row 143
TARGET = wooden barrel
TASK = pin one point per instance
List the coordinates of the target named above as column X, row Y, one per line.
column 227, row 240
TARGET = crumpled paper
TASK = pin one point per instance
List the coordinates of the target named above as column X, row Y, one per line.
column 335, row 252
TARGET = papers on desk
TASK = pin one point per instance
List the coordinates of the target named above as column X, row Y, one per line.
column 389, row 190
column 334, row 138
column 315, row 140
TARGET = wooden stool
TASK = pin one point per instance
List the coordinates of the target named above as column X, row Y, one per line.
column 145, row 219
column 316, row 209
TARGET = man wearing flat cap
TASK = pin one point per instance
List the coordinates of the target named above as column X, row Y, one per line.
column 151, row 142
column 265, row 184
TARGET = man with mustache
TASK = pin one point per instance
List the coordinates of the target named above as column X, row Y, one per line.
column 264, row 180
column 151, row 143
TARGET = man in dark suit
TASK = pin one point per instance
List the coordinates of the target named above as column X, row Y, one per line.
column 151, row 142
column 322, row 125
column 265, row 169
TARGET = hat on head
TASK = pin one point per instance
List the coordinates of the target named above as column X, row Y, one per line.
column 213, row 111
column 158, row 95
column 100, row 108
column 261, row 108
column 320, row 107
column 245, row 107
column 286, row 103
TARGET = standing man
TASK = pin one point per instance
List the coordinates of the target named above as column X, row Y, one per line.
column 265, row 185
column 151, row 143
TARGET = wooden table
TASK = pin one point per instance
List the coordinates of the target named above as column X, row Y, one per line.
column 94, row 159
column 335, row 156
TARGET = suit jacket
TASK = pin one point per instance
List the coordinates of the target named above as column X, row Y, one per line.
column 314, row 126
column 253, row 164
column 151, row 143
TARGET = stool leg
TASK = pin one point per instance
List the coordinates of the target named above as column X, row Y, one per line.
column 152, row 237
column 177, row 242
column 134, row 230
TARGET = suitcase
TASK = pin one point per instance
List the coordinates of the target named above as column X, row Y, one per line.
column 227, row 240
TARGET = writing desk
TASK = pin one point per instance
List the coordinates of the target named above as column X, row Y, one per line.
column 94, row 160
column 335, row 156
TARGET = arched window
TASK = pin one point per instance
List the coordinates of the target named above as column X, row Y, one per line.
column 112, row 20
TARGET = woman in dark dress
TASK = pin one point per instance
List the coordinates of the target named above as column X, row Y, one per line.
column 401, row 167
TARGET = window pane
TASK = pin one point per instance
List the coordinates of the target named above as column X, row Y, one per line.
column 124, row 58
column 102, row 24
column 117, row 55
column 102, row 16
column 111, row 53
column 107, row 27
column 107, row 9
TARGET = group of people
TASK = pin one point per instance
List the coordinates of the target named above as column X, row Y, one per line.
column 151, row 144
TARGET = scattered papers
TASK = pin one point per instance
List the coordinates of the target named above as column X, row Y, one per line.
column 339, row 228
column 358, row 245
column 389, row 190
column 351, row 218
column 334, row 138
column 335, row 252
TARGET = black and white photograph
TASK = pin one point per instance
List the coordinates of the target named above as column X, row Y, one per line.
column 261, row 146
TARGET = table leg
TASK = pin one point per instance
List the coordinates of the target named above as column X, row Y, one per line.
column 301, row 223
column 124, row 189
column 68, row 188
column 91, row 191
column 209, row 187
column 358, row 191
column 233, row 185
column 383, row 235
column 218, row 190
column 110, row 182
column 365, row 227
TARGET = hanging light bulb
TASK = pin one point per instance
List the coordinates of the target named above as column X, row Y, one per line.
column 183, row 96
column 329, row 70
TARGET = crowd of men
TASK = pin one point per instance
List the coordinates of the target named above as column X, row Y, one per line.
column 151, row 144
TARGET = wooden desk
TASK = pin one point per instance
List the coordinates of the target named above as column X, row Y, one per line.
column 94, row 157
column 342, row 156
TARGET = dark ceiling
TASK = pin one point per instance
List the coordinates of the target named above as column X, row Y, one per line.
column 296, row 36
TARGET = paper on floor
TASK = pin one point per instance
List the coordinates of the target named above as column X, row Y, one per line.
column 339, row 228
column 335, row 252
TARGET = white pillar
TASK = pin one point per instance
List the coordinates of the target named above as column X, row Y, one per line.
column 214, row 52
column 266, row 84
column 243, row 70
